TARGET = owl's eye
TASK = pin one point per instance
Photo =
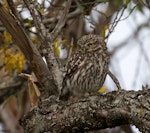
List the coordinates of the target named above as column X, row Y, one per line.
column 90, row 44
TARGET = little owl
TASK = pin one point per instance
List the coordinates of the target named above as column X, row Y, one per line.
column 87, row 69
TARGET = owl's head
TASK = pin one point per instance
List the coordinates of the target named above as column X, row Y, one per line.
column 89, row 43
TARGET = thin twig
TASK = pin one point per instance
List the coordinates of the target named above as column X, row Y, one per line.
column 61, row 21
column 116, row 21
column 126, row 41
column 36, row 18
column 114, row 79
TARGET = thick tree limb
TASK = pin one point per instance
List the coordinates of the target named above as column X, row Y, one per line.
column 92, row 113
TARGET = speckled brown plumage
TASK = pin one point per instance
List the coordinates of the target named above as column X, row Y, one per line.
column 87, row 69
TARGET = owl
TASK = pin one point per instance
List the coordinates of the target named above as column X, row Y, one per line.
column 87, row 69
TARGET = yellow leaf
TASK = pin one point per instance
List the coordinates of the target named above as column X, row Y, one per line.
column 13, row 61
column 19, row 62
column 140, row 111
column 42, row 10
column 107, row 27
column 102, row 90
column 7, row 37
column 1, row 51
column 142, row 1
column 9, row 62
column 103, row 32
column 127, row 2
column 34, row 92
column 57, row 44
column 56, row 47
column 64, row 40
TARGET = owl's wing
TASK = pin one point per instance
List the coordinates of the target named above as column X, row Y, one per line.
column 73, row 65
column 71, row 68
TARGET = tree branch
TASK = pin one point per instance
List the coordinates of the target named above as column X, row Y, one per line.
column 91, row 113
column 28, row 48
column 62, row 20
column 47, row 39
column 13, row 9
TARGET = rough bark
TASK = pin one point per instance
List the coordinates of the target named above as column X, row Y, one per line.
column 92, row 113
column 47, row 39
